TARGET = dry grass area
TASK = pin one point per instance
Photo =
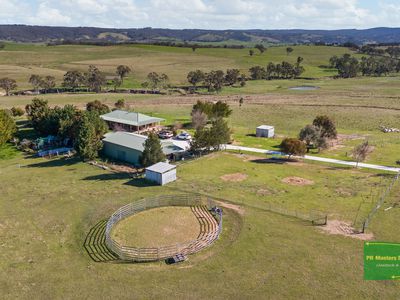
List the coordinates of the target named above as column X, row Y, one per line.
column 336, row 227
column 297, row 181
column 157, row 227
column 236, row 177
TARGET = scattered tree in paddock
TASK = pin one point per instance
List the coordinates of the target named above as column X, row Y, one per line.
column 8, row 128
column 326, row 126
column 289, row 50
column 8, row 85
column 98, row 107
column 120, row 104
column 241, row 101
column 361, row 151
column 232, row 76
column 73, row 79
column 310, row 134
column 292, row 146
column 214, row 80
column 213, row 110
column 261, row 48
column 195, row 77
column 48, row 82
column 36, row 82
column 95, row 79
column 122, row 71
column 257, row 73
column 156, row 81
column 251, row 52
column 152, row 152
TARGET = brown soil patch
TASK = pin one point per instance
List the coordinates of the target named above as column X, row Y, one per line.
column 343, row 192
column 235, row 177
column 264, row 192
column 343, row 228
column 237, row 208
column 297, row 181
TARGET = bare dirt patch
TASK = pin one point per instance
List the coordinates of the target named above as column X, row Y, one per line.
column 264, row 192
column 235, row 177
column 297, row 181
column 236, row 208
column 336, row 227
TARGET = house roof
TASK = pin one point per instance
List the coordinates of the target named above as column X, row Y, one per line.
column 265, row 127
column 161, row 167
column 136, row 142
column 130, row 118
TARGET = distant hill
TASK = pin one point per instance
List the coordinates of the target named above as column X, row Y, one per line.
column 24, row 33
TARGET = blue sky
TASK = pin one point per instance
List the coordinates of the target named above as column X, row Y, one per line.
column 208, row 14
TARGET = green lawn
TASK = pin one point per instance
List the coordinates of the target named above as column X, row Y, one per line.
column 48, row 206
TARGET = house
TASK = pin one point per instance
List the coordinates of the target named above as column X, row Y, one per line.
column 130, row 121
column 161, row 173
column 128, row 147
column 265, row 131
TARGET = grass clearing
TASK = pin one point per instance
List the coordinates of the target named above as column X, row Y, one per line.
column 157, row 227
column 44, row 222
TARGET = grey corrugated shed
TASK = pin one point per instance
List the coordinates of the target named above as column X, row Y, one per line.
column 136, row 141
column 130, row 118
column 161, row 167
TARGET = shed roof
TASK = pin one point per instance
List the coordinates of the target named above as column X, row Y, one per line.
column 161, row 167
column 265, row 127
column 136, row 142
column 130, row 118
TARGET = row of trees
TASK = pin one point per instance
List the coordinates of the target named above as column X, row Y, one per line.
column 284, row 70
column 93, row 79
column 349, row 66
column 215, row 80
column 84, row 129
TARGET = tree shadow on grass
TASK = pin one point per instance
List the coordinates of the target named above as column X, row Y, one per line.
column 108, row 176
column 279, row 161
column 62, row 162
column 141, row 182
column 95, row 244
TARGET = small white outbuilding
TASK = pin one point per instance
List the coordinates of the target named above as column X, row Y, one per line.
column 161, row 173
column 265, row 131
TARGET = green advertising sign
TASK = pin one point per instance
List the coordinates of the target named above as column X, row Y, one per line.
column 381, row 261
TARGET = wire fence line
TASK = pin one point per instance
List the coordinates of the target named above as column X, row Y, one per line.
column 379, row 203
column 314, row 216
column 210, row 223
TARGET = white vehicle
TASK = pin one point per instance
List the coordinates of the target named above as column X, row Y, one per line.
column 184, row 136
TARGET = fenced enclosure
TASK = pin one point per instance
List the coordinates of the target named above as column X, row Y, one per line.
column 210, row 227
column 379, row 203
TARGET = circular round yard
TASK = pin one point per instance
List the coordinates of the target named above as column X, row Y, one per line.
column 157, row 227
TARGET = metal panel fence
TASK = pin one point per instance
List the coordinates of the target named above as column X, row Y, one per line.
column 153, row 254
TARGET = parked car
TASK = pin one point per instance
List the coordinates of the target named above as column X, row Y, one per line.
column 184, row 136
column 165, row 134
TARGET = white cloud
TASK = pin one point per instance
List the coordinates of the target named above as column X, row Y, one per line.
column 209, row 14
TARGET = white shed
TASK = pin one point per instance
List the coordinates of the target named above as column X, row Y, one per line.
column 265, row 131
column 161, row 173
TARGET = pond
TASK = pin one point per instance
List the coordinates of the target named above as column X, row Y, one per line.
column 304, row 88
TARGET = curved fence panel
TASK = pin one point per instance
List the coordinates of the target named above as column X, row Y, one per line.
column 210, row 230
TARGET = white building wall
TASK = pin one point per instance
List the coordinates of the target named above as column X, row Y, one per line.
column 161, row 179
